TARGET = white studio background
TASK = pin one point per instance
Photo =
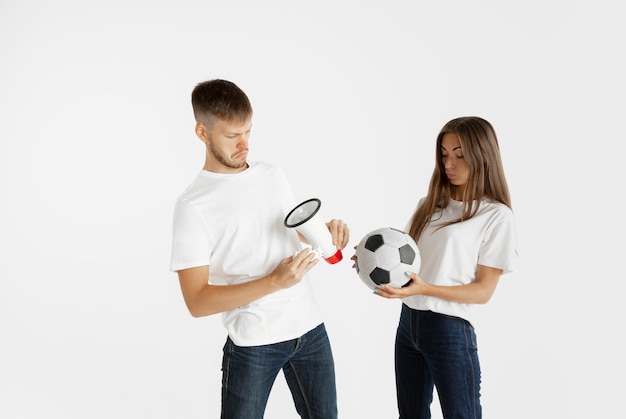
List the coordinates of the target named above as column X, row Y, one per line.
column 97, row 141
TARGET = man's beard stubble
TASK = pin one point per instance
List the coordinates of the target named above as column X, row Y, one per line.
column 220, row 158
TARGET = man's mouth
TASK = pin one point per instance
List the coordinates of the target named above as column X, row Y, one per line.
column 241, row 155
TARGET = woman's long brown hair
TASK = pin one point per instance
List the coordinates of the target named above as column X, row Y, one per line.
column 486, row 178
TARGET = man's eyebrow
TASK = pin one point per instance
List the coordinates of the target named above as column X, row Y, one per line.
column 239, row 132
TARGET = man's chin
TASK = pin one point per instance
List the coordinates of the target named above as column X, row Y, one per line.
column 243, row 164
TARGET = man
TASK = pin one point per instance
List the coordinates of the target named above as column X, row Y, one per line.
column 233, row 255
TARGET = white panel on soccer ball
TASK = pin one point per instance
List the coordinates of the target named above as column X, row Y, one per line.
column 387, row 257
column 366, row 261
column 397, row 276
column 395, row 238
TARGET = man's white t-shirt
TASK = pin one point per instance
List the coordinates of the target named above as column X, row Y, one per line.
column 235, row 224
column 451, row 255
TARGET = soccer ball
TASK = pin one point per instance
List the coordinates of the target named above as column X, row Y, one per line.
column 384, row 255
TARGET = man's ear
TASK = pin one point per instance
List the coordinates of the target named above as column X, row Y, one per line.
column 201, row 132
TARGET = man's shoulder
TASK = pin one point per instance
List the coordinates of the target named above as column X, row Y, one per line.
column 262, row 165
column 193, row 189
column 266, row 168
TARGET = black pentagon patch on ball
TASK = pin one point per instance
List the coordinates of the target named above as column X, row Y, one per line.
column 407, row 254
column 380, row 276
column 374, row 242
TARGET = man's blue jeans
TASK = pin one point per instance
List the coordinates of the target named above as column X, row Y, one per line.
column 436, row 350
column 248, row 374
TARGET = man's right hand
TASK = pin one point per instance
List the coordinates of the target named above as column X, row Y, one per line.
column 292, row 269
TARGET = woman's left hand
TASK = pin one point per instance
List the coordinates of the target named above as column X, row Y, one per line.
column 414, row 287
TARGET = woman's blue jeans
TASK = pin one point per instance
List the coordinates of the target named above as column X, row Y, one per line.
column 436, row 350
column 248, row 374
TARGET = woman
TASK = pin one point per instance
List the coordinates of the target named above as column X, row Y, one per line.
column 465, row 232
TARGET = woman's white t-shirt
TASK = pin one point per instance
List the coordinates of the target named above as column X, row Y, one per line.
column 451, row 255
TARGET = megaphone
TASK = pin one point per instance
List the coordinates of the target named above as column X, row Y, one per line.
column 304, row 219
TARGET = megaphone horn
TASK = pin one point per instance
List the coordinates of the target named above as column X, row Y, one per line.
column 305, row 219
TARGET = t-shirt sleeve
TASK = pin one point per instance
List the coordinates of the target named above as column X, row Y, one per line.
column 190, row 240
column 499, row 246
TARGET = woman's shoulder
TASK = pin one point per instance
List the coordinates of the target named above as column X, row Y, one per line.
column 495, row 207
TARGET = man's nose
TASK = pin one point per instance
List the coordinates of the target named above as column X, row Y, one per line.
column 243, row 142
